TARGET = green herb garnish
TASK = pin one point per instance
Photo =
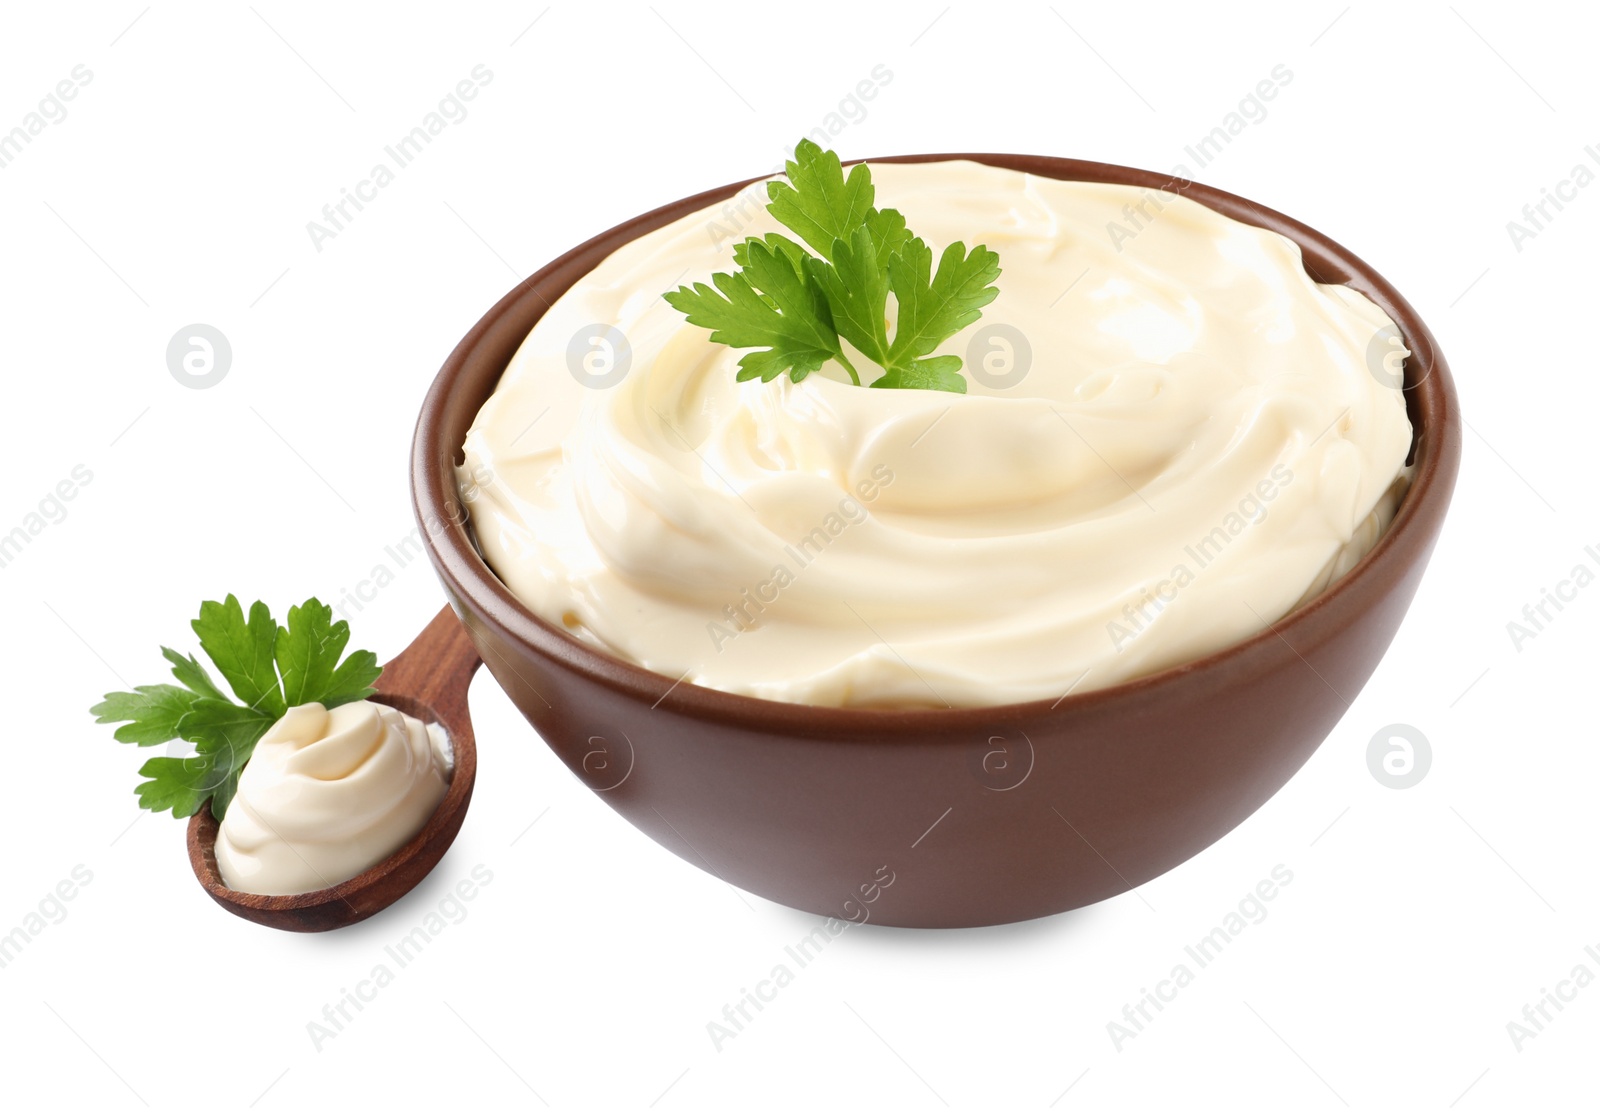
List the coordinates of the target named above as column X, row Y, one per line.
column 270, row 670
column 801, row 308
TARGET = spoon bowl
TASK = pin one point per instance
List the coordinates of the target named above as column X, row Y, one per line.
column 429, row 680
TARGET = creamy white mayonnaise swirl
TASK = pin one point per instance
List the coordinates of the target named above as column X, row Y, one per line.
column 1197, row 445
column 327, row 794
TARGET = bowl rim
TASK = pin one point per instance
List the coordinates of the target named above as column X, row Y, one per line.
column 1432, row 408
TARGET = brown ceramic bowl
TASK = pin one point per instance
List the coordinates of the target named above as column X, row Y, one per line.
column 974, row 816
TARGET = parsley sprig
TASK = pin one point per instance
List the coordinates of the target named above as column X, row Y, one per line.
column 799, row 309
column 269, row 668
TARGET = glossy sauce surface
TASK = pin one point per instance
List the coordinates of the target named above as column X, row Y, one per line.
column 329, row 793
column 1171, row 439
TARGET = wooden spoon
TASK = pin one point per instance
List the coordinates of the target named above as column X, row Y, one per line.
column 429, row 681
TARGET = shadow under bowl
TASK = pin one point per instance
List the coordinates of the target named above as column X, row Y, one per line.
column 975, row 816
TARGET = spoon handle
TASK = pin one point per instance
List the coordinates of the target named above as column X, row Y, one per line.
column 434, row 673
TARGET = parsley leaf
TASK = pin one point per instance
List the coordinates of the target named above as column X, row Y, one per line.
column 940, row 373
column 182, row 785
column 889, row 231
column 932, row 309
column 803, row 309
column 153, row 713
column 191, row 674
column 224, row 736
column 774, row 241
column 818, row 203
column 242, row 650
column 269, row 669
column 769, row 302
column 308, row 652
column 857, row 286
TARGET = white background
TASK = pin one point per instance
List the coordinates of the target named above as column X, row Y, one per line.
column 177, row 190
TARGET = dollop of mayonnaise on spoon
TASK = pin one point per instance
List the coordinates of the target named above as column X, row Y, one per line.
column 328, row 794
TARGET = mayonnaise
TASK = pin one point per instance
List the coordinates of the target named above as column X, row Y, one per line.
column 327, row 794
column 1193, row 444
